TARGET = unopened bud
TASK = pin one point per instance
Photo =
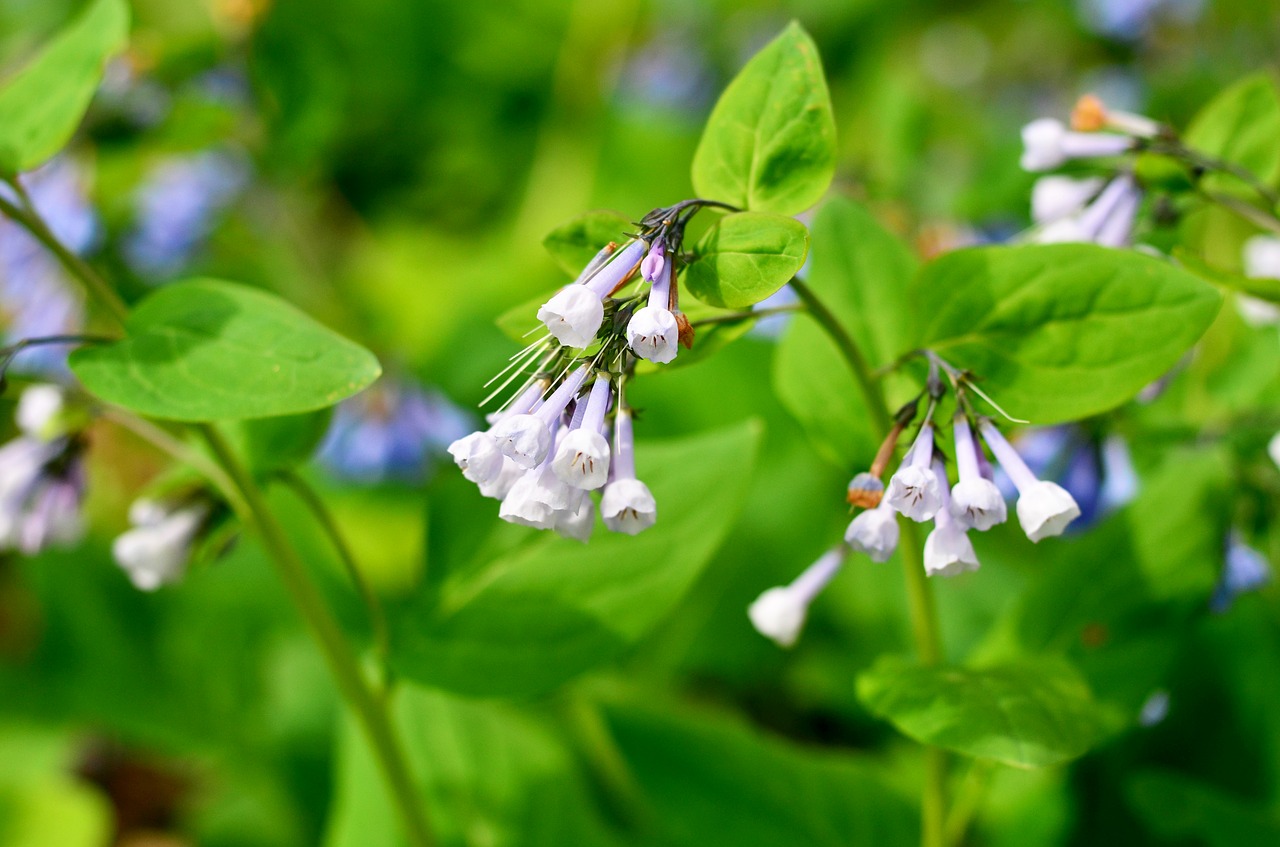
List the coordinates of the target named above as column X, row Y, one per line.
column 865, row 491
column 685, row 329
column 1089, row 114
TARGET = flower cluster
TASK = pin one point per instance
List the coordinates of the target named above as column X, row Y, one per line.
column 42, row 479
column 567, row 430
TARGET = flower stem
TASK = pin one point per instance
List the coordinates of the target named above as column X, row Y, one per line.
column 370, row 709
column 924, row 617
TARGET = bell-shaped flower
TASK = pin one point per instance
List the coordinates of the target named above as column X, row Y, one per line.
column 577, row 524
column 1048, row 144
column 500, row 486
column 626, row 505
column 158, row 548
column 653, row 332
column 913, row 490
column 582, row 457
column 1108, row 220
column 976, row 502
column 947, row 550
column 1056, row 197
column 478, row 456
column 779, row 613
column 41, row 490
column 574, row 314
column 526, row 438
column 521, row 505
column 874, row 532
column 1044, row 508
column 1244, row 569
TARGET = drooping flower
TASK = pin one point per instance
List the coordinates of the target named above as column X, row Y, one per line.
column 1044, row 508
column 579, row 524
column 626, row 505
column 779, row 613
column 975, row 502
column 582, row 457
column 874, row 532
column 947, row 550
column 653, row 332
column 1056, row 197
column 1261, row 261
column 157, row 550
column 42, row 477
column 478, row 455
column 526, row 438
column 1108, row 220
column 1048, row 144
column 913, row 490
column 1244, row 569
column 574, row 314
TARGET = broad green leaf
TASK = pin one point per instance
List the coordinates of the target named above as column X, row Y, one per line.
column 769, row 144
column 575, row 243
column 487, row 773
column 1182, row 810
column 1242, row 126
column 1029, row 714
column 41, row 106
column 207, row 350
column 277, row 443
column 862, row 273
column 1062, row 331
column 745, row 258
column 715, row 782
column 531, row 619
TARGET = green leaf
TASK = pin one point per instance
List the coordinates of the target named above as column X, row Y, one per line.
column 716, row 782
column 486, row 773
column 1264, row 288
column 1062, row 331
column 41, row 106
column 575, row 243
column 276, row 443
column 1242, row 126
column 206, row 350
column 746, row 257
column 1029, row 714
column 1182, row 810
column 529, row 620
column 862, row 273
column 770, row 143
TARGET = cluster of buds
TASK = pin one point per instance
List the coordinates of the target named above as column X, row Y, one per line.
column 567, row 430
column 42, row 478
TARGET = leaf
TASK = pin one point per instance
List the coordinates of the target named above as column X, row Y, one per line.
column 41, row 106
column 745, row 258
column 486, row 773
column 532, row 619
column 1062, row 331
column 207, row 350
column 1264, row 288
column 276, row 443
column 575, row 243
column 1028, row 714
column 1179, row 809
column 862, row 273
column 1242, row 126
column 770, row 143
column 714, row 782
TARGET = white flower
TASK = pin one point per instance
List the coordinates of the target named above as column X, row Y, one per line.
column 1262, row 257
column 653, row 334
column 628, row 506
column 39, row 410
column 1045, row 509
column 38, row 506
column 573, row 315
column 478, row 456
column 520, row 506
column 1273, row 449
column 500, row 486
column 578, row 524
column 1047, row 144
column 976, row 502
column 582, row 459
column 1056, row 197
column 947, row 550
column 525, row 439
column 913, row 490
column 779, row 613
column 1108, row 220
column 874, row 532
column 157, row 553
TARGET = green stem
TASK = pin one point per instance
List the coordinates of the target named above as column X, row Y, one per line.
column 968, row 800
column 370, row 709
column 924, row 617
column 1249, row 212
column 749, row 314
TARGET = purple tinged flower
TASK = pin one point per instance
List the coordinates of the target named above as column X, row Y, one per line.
column 574, row 314
column 1044, row 508
column 41, row 478
column 157, row 550
column 874, row 532
column 1108, row 220
column 653, row 263
column 478, row 455
column 653, row 332
column 524, row 504
column 626, row 505
column 1048, row 144
column 947, row 550
column 1154, row 709
column 582, row 458
column 1244, row 569
column 779, row 613
column 526, row 438
column 975, row 502
column 1056, row 197
column 578, row 524
column 913, row 490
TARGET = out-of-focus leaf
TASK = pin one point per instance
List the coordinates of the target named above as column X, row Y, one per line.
column 745, row 258
column 575, row 243
column 1180, row 809
column 532, row 619
column 207, row 350
column 1265, row 288
column 270, row 444
column 1030, row 714
column 715, row 782
column 42, row 105
column 769, row 144
column 41, row 802
column 1242, row 126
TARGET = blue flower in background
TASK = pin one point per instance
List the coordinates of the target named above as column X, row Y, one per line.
column 36, row 297
column 1130, row 19
column 1244, row 569
column 393, row 431
column 177, row 207
column 1100, row 476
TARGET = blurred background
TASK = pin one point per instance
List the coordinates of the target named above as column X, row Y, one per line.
column 391, row 166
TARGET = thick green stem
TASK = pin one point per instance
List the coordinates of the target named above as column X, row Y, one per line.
column 369, row 709
column 924, row 617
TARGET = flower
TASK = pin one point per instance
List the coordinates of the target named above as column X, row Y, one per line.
column 579, row 524
column 874, row 532
column 779, row 613
column 582, row 458
column 626, row 504
column 913, row 490
column 1273, row 449
column 1107, row 221
column 41, row 477
column 526, row 437
column 1047, row 144
column 1261, row 261
column 478, row 457
column 522, row 507
column 1055, row 197
column 653, row 332
column 947, row 550
column 500, row 486
column 157, row 550
column 574, row 314
column 1244, row 569
column 975, row 502
column 1044, row 508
